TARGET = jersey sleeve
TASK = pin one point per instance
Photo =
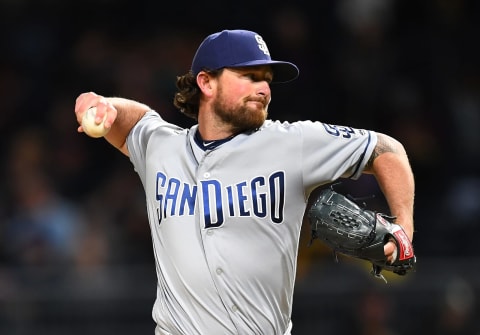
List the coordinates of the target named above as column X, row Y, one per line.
column 140, row 135
column 334, row 151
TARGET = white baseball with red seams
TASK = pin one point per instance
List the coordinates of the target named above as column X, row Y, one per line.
column 90, row 127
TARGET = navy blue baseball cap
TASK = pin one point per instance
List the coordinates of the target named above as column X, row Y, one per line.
column 239, row 48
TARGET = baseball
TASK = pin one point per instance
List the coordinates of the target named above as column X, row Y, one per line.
column 89, row 126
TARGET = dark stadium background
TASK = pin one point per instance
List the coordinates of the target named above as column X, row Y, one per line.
column 75, row 252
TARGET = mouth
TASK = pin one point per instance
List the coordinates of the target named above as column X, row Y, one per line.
column 256, row 103
column 259, row 102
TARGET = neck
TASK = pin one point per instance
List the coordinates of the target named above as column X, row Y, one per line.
column 211, row 131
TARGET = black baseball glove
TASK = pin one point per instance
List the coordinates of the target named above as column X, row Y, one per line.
column 357, row 232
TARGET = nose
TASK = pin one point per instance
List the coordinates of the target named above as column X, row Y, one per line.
column 264, row 89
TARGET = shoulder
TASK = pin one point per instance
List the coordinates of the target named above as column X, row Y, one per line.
column 277, row 125
column 316, row 128
column 152, row 120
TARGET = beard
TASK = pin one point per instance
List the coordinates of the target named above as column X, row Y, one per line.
column 241, row 117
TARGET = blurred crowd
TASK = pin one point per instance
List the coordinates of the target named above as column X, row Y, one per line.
column 70, row 204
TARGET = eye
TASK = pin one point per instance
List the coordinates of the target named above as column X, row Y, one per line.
column 259, row 77
column 250, row 75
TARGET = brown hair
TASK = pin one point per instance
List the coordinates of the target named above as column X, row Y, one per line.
column 187, row 98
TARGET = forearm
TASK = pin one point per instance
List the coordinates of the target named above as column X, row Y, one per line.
column 395, row 179
column 391, row 168
column 129, row 112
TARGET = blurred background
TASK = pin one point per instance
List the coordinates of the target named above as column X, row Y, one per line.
column 75, row 247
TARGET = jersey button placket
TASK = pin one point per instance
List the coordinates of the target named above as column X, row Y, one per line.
column 218, row 270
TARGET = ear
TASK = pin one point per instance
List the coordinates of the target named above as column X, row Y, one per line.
column 206, row 83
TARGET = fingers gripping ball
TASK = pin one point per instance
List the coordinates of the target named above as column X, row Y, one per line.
column 90, row 127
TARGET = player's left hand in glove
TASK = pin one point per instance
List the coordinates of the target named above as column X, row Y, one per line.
column 357, row 232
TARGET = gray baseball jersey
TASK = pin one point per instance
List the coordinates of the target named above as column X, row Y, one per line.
column 226, row 222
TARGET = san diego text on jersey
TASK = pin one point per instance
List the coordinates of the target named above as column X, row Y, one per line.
column 262, row 196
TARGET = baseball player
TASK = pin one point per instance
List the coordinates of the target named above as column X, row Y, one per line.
column 226, row 197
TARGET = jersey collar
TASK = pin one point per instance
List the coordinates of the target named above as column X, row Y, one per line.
column 209, row 145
